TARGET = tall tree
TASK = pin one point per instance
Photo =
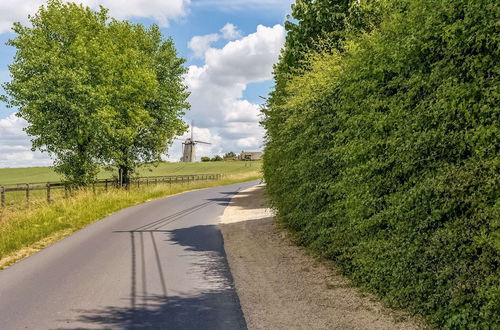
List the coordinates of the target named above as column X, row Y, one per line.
column 147, row 100
column 57, row 82
column 320, row 26
column 95, row 91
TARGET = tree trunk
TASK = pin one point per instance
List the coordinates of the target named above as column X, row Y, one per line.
column 124, row 176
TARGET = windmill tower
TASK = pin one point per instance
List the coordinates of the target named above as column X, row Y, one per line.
column 189, row 147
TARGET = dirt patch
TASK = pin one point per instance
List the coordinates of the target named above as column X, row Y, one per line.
column 280, row 286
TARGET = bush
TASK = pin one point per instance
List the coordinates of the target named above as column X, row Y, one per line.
column 217, row 158
column 229, row 156
column 205, row 159
column 384, row 157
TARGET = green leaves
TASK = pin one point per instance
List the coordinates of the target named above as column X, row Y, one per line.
column 382, row 153
column 96, row 90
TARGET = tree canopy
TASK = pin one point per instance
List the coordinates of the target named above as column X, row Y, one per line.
column 95, row 90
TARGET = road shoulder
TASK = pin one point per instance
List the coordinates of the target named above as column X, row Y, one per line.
column 280, row 286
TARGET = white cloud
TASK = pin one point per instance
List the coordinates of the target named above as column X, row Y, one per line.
column 217, row 87
column 230, row 32
column 200, row 44
column 12, row 11
column 246, row 60
column 160, row 10
column 242, row 111
column 233, row 5
column 247, row 142
column 15, row 145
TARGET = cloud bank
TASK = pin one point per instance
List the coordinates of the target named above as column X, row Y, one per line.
column 217, row 89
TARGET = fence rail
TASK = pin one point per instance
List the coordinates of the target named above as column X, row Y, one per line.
column 48, row 187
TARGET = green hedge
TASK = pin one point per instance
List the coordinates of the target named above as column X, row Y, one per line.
column 385, row 158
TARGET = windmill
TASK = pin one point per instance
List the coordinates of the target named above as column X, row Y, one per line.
column 189, row 147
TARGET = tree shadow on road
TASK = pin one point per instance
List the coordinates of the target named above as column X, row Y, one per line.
column 213, row 305
column 173, row 312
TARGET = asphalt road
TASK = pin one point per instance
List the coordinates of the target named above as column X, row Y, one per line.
column 159, row 265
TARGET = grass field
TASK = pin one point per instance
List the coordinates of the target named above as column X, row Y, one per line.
column 45, row 174
column 24, row 231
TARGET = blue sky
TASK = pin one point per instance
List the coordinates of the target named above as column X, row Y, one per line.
column 230, row 47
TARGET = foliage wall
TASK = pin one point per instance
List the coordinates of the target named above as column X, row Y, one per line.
column 382, row 154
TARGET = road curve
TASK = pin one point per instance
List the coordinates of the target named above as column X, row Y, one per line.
column 158, row 265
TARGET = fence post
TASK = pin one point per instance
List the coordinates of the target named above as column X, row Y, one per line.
column 106, row 185
column 93, row 187
column 27, row 193
column 48, row 192
column 3, row 196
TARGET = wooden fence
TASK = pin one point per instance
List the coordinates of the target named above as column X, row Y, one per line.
column 105, row 184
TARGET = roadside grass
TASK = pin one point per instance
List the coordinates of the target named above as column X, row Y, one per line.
column 45, row 174
column 26, row 231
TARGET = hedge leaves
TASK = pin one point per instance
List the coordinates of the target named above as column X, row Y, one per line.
column 384, row 156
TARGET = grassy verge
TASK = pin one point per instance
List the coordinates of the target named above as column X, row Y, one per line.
column 25, row 232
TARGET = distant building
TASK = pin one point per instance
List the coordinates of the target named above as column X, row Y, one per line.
column 250, row 155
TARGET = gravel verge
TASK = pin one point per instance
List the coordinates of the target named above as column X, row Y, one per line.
column 281, row 286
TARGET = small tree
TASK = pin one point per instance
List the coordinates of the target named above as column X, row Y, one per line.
column 217, row 158
column 229, row 155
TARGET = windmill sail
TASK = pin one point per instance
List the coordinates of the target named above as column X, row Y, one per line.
column 189, row 147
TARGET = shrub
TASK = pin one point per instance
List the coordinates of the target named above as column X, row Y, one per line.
column 384, row 157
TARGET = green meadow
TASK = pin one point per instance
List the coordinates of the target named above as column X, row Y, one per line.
column 45, row 174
